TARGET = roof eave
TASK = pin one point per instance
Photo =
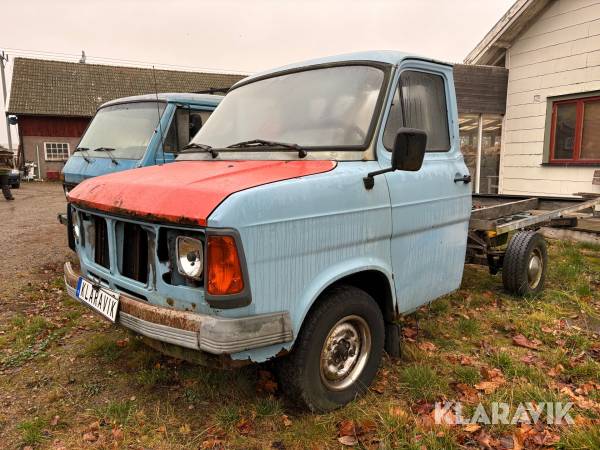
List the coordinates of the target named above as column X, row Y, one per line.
column 502, row 35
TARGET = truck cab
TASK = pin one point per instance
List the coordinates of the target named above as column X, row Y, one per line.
column 137, row 131
column 321, row 201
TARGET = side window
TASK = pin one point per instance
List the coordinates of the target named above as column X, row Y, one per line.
column 394, row 122
column 424, row 102
column 197, row 119
column 420, row 102
column 183, row 128
column 170, row 144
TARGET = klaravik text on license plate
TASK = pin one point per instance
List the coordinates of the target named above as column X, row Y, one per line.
column 102, row 300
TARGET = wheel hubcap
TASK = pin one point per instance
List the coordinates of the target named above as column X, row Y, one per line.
column 345, row 352
column 535, row 269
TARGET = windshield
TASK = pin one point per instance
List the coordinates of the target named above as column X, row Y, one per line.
column 127, row 128
column 330, row 107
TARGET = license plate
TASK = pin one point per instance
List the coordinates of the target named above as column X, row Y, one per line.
column 104, row 301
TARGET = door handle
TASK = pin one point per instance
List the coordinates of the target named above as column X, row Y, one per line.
column 465, row 179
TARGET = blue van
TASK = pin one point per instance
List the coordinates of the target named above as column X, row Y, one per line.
column 137, row 131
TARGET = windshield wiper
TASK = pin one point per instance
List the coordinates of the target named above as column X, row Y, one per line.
column 82, row 150
column 264, row 143
column 193, row 147
column 108, row 151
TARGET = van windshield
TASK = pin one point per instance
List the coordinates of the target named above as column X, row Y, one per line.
column 127, row 128
column 329, row 107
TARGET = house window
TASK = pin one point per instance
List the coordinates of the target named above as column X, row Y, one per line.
column 575, row 131
column 56, row 151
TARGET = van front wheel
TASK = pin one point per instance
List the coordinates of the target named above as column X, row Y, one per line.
column 338, row 350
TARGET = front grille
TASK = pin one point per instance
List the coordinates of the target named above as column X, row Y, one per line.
column 134, row 263
column 101, row 242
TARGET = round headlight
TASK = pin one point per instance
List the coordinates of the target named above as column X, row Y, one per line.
column 190, row 257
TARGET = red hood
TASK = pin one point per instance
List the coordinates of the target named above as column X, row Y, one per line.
column 184, row 191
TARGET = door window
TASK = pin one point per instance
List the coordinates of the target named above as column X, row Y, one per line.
column 420, row 102
column 184, row 126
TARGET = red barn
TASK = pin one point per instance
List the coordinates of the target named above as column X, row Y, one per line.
column 54, row 101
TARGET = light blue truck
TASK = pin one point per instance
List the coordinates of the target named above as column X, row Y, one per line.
column 321, row 201
column 126, row 133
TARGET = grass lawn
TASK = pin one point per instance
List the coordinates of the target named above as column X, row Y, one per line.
column 71, row 380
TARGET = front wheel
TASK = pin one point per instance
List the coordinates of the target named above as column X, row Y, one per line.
column 338, row 351
column 525, row 263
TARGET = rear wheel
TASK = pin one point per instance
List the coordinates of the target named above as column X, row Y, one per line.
column 338, row 351
column 525, row 263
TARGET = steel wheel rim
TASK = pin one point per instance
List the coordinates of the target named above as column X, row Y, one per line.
column 535, row 268
column 345, row 352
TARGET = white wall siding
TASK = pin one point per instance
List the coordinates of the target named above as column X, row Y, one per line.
column 559, row 54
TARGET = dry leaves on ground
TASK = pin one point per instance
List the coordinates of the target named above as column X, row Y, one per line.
column 521, row 341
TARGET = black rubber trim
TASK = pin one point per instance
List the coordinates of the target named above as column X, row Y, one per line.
column 241, row 299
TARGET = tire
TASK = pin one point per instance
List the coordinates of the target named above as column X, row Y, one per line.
column 525, row 264
column 311, row 384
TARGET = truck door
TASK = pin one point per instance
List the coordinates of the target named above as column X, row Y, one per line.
column 430, row 211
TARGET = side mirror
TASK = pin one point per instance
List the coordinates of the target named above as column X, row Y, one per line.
column 409, row 149
column 407, row 154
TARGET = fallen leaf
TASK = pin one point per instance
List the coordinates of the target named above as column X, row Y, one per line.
column 556, row 370
column 162, row 429
column 244, row 426
column 522, row 341
column 117, row 434
column 366, row 426
column 54, row 421
column 212, row 443
column 467, row 393
column 427, row 346
column 185, row 429
column 90, row 437
column 348, row 440
column 471, row 428
column 122, row 342
column 485, row 440
column 347, row 428
column 466, row 360
column 409, row 333
column 487, row 386
column 397, row 411
column 286, row 421
column 266, row 382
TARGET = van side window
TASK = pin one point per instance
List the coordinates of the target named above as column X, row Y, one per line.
column 419, row 102
column 183, row 128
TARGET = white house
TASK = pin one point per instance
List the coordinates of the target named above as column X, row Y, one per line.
column 550, row 139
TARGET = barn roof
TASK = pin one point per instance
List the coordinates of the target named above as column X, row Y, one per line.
column 58, row 88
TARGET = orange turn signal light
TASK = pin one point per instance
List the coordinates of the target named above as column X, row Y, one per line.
column 224, row 269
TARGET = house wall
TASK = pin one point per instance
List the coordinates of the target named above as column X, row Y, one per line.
column 558, row 54
column 35, row 131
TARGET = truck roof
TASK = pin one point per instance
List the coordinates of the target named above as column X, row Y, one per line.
column 178, row 97
column 392, row 57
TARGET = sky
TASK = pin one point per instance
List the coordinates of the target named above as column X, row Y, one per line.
column 242, row 35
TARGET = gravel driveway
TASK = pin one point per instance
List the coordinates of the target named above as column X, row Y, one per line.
column 31, row 239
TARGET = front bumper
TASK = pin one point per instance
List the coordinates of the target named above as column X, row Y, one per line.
column 212, row 334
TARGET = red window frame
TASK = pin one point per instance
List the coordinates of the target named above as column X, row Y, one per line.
column 580, row 105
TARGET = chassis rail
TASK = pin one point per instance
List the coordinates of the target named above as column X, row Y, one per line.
column 494, row 217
